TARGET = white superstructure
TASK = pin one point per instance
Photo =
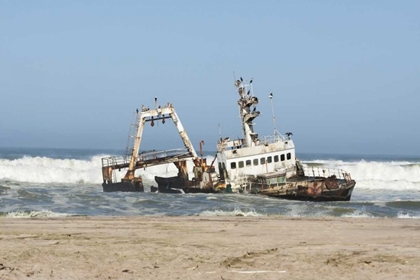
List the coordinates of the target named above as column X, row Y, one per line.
column 240, row 159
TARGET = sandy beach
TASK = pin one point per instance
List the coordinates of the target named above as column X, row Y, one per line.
column 209, row 248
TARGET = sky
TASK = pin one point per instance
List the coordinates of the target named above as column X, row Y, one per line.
column 344, row 74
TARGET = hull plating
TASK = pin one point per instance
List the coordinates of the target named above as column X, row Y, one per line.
column 123, row 187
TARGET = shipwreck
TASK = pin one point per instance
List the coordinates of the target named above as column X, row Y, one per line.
column 256, row 165
column 205, row 177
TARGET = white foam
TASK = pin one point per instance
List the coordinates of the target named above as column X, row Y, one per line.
column 358, row 214
column 403, row 215
column 383, row 171
column 236, row 212
column 401, row 185
column 35, row 214
column 48, row 170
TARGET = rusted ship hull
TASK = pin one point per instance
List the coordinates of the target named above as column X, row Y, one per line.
column 261, row 165
column 179, row 185
column 124, row 186
column 319, row 189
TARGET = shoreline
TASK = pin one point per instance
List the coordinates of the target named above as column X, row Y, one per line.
column 150, row 247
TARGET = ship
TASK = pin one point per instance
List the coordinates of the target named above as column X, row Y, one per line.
column 205, row 178
column 252, row 164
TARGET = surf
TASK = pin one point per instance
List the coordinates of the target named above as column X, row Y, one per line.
column 372, row 175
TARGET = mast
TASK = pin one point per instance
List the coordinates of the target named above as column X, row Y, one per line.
column 274, row 117
column 246, row 102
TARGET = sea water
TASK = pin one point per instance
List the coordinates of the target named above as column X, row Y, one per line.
column 66, row 182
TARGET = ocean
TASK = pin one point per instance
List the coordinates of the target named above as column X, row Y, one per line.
column 67, row 182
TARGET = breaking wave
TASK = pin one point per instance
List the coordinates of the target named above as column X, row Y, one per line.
column 49, row 170
column 392, row 175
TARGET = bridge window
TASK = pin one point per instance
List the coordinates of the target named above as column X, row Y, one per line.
column 289, row 156
column 248, row 162
column 262, row 160
column 241, row 164
column 233, row 165
column 269, row 159
column 282, row 157
column 256, row 161
column 276, row 158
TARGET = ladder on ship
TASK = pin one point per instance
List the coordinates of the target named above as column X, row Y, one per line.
column 129, row 148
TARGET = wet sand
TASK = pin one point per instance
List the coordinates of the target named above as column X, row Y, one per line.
column 209, row 248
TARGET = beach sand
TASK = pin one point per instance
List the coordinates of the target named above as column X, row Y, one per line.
column 209, row 248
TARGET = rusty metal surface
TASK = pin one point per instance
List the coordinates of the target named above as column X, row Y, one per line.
column 310, row 189
column 136, row 161
column 297, row 182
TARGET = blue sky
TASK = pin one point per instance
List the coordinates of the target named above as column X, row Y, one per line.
column 345, row 74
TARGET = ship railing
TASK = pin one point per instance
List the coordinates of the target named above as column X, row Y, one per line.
column 109, row 164
column 325, row 172
column 149, row 155
column 115, row 160
column 144, row 156
column 273, row 139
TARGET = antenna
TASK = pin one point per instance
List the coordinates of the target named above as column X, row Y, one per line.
column 252, row 90
column 220, row 132
column 156, row 107
column 274, row 117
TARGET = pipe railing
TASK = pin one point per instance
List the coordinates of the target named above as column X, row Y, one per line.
column 112, row 161
column 273, row 139
column 148, row 155
column 325, row 172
